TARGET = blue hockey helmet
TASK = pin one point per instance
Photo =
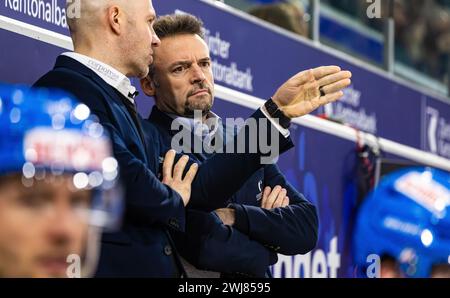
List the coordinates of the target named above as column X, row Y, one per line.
column 46, row 133
column 407, row 217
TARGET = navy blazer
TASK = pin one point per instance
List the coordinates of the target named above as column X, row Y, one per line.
column 143, row 248
column 210, row 245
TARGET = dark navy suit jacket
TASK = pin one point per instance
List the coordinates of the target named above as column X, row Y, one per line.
column 250, row 246
column 142, row 247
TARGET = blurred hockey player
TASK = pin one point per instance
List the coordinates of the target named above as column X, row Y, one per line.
column 402, row 228
column 58, row 185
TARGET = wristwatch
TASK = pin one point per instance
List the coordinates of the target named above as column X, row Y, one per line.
column 276, row 113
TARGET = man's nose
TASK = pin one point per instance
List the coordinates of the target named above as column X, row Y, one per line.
column 156, row 42
column 64, row 226
column 197, row 74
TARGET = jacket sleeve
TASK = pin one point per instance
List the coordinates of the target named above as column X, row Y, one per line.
column 224, row 174
column 210, row 245
column 148, row 201
column 291, row 230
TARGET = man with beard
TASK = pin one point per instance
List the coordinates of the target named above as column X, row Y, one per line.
column 267, row 215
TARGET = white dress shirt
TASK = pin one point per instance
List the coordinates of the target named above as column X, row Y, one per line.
column 109, row 74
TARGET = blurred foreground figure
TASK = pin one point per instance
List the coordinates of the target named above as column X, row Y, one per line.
column 57, row 185
column 405, row 224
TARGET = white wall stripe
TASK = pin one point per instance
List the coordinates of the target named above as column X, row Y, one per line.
column 35, row 32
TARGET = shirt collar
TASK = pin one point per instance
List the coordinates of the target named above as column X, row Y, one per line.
column 199, row 128
column 110, row 75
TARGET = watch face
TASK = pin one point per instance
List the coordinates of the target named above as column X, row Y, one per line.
column 271, row 107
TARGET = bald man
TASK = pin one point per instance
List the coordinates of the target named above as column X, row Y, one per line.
column 113, row 40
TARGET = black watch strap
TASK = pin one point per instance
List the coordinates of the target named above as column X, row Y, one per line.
column 276, row 113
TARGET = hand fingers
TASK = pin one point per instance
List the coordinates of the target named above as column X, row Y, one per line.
column 314, row 74
column 279, row 200
column 265, row 195
column 273, row 196
column 323, row 71
column 190, row 175
column 306, row 107
column 168, row 164
column 266, row 192
column 285, row 202
column 179, row 167
column 337, row 86
column 330, row 79
column 329, row 98
column 310, row 91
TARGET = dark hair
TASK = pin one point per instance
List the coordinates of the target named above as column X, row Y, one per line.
column 178, row 24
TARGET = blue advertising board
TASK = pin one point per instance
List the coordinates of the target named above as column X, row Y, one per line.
column 47, row 14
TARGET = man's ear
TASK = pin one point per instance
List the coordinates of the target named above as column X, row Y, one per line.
column 115, row 16
column 148, row 86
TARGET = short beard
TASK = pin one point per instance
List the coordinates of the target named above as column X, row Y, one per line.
column 204, row 104
column 190, row 108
